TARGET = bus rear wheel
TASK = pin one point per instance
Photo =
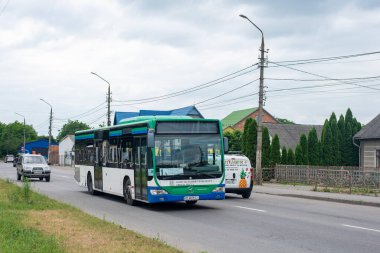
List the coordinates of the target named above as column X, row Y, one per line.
column 127, row 192
column 90, row 186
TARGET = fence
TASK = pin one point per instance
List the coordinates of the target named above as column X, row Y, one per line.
column 344, row 177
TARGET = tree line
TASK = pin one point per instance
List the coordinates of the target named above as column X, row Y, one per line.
column 12, row 135
column 334, row 148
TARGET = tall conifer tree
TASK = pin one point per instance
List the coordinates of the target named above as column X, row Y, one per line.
column 284, row 156
column 313, row 147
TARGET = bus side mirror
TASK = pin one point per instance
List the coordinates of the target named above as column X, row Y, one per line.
column 225, row 144
column 150, row 141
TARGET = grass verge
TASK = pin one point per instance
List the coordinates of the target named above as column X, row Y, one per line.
column 30, row 222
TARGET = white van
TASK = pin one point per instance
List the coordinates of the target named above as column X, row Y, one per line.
column 239, row 175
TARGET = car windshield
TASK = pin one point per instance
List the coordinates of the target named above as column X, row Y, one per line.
column 34, row 159
column 188, row 156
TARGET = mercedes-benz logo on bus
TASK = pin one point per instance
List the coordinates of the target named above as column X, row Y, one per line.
column 190, row 189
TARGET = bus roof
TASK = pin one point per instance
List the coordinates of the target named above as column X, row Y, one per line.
column 145, row 119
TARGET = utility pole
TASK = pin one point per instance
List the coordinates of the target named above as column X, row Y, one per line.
column 24, row 131
column 50, row 126
column 108, row 99
column 259, row 171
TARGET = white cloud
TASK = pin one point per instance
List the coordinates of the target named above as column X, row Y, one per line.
column 144, row 48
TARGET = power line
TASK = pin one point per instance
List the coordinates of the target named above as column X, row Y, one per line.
column 225, row 93
column 192, row 89
column 314, row 60
column 325, row 77
column 319, row 80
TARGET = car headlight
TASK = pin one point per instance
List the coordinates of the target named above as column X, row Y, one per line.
column 47, row 168
column 158, row 192
column 218, row 189
column 28, row 168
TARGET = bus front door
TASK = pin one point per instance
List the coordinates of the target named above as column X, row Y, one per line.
column 140, row 153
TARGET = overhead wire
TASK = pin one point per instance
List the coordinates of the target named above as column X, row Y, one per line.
column 190, row 90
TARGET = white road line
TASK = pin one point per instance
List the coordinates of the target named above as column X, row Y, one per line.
column 252, row 209
column 63, row 176
column 369, row 229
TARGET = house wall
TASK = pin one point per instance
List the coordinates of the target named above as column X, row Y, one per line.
column 267, row 118
column 368, row 152
column 65, row 148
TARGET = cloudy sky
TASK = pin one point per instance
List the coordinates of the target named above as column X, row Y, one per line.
column 152, row 48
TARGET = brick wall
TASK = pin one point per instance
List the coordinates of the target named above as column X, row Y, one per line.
column 267, row 118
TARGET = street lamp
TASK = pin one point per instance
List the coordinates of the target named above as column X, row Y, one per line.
column 108, row 99
column 51, row 120
column 24, row 129
column 259, row 118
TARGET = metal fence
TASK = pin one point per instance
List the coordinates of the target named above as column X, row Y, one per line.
column 344, row 177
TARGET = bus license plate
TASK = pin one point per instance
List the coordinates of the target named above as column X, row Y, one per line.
column 191, row 198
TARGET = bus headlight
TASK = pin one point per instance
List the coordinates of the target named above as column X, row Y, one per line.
column 218, row 189
column 158, row 192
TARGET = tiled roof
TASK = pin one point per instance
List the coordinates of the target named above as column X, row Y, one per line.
column 289, row 134
column 234, row 117
column 371, row 130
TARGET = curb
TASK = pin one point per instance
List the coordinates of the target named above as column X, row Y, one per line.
column 345, row 201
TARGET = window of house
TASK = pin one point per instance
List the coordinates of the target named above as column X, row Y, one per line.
column 378, row 158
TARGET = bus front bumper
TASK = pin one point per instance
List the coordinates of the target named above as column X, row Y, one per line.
column 183, row 197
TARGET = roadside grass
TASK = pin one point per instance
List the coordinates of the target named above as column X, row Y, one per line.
column 354, row 190
column 30, row 222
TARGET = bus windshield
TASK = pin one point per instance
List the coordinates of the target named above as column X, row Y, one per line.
column 188, row 156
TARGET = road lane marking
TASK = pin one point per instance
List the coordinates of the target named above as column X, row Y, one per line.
column 369, row 229
column 252, row 209
column 63, row 176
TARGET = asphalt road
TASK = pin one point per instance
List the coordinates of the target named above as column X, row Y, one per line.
column 263, row 223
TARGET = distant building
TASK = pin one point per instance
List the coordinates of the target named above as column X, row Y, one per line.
column 368, row 139
column 66, row 152
column 236, row 120
column 290, row 134
column 191, row 111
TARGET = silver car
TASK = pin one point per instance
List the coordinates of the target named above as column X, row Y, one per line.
column 33, row 166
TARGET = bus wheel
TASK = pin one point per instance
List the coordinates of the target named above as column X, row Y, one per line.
column 191, row 202
column 127, row 192
column 90, row 187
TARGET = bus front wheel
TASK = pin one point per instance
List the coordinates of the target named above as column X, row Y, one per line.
column 127, row 192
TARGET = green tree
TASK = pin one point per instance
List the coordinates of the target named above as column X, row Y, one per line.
column 299, row 155
column 291, row 158
column 250, row 140
column 326, row 142
column 342, row 134
column 313, row 147
column 234, row 140
column 336, row 157
column 356, row 126
column 71, row 127
column 284, row 156
column 304, row 147
column 266, row 148
column 284, row 121
column 275, row 151
column 12, row 137
column 348, row 123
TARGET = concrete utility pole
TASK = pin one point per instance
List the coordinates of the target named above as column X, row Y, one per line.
column 260, row 116
column 108, row 99
column 24, row 131
column 50, row 126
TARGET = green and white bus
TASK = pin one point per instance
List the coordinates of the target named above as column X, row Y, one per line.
column 153, row 159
